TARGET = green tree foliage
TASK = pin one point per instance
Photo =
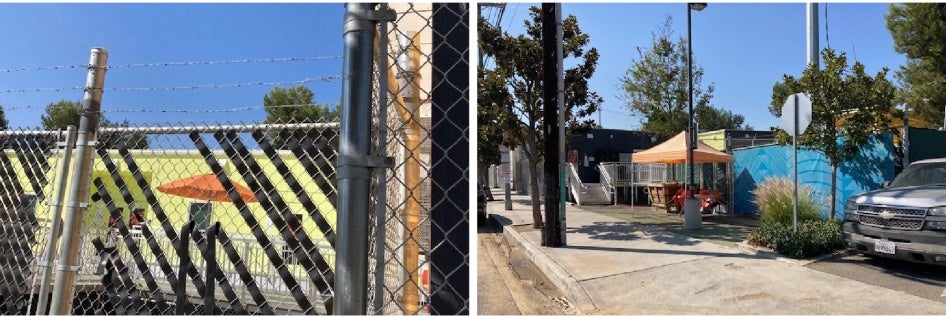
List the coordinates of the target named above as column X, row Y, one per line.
column 917, row 30
column 846, row 108
column 295, row 105
column 490, row 109
column 4, row 124
column 710, row 118
column 61, row 114
column 656, row 89
column 510, row 94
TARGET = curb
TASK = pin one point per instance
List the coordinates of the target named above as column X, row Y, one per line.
column 765, row 253
column 565, row 282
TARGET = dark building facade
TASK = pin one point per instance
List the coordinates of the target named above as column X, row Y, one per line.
column 606, row 145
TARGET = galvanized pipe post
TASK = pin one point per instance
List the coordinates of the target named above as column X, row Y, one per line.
column 409, row 60
column 55, row 211
column 354, row 178
column 79, row 185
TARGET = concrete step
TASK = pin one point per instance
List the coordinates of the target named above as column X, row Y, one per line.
column 593, row 194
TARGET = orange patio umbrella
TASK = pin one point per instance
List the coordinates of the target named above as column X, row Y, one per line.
column 205, row 187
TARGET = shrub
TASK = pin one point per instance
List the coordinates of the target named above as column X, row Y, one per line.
column 814, row 237
column 774, row 199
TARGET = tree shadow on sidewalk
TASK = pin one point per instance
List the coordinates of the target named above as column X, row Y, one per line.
column 607, row 231
column 718, row 230
column 628, row 231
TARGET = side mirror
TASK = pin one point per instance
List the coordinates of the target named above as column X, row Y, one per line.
column 885, row 184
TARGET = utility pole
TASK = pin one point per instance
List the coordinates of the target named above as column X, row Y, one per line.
column 552, row 231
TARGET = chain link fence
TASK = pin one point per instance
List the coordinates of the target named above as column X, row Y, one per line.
column 254, row 205
column 408, row 77
column 240, row 217
column 30, row 162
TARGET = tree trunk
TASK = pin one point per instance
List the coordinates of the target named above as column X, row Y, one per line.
column 834, row 190
column 534, row 185
column 484, row 176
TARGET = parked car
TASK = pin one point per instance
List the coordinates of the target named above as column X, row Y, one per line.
column 905, row 220
column 481, row 204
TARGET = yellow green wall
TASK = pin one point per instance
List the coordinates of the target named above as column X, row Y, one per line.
column 160, row 167
column 715, row 139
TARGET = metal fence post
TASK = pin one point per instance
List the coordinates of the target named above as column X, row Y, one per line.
column 354, row 176
column 55, row 209
column 79, row 186
column 382, row 207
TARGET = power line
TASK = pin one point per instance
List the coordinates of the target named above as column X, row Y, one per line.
column 212, row 86
column 182, row 63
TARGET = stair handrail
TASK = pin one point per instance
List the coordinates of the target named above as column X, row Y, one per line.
column 574, row 182
column 605, row 169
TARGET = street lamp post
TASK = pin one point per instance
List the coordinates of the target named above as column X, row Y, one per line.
column 691, row 218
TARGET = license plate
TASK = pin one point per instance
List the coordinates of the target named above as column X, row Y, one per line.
column 885, row 246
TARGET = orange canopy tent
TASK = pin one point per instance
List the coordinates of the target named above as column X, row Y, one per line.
column 674, row 151
column 205, row 187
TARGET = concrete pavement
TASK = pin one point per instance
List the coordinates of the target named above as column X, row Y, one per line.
column 612, row 266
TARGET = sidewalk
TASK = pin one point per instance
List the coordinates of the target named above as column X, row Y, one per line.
column 611, row 266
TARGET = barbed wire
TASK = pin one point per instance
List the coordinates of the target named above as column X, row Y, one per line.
column 214, row 86
column 190, row 109
column 177, row 63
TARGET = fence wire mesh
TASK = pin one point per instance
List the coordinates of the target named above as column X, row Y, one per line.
column 261, row 198
column 30, row 162
column 405, row 73
column 268, row 188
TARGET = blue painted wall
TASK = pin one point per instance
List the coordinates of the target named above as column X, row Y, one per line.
column 873, row 165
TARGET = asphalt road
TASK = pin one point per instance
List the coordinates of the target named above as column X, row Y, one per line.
column 925, row 281
column 508, row 282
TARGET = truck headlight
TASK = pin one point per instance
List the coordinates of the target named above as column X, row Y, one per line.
column 851, row 216
column 937, row 225
column 937, row 211
column 850, row 206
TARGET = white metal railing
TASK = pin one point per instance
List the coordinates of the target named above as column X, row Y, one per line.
column 610, row 175
column 617, row 174
column 574, row 183
column 641, row 173
column 251, row 254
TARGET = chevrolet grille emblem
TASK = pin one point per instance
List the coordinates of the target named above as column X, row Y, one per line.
column 886, row 215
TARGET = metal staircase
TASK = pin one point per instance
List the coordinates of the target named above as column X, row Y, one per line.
column 587, row 193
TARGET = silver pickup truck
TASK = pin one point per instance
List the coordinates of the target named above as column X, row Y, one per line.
column 905, row 220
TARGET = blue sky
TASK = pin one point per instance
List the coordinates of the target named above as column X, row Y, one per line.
column 744, row 48
column 39, row 35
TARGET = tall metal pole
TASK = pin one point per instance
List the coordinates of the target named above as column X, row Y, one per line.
column 690, row 132
column 813, row 37
column 79, row 187
column 552, row 231
column 812, row 17
column 691, row 217
column 55, row 209
column 795, row 170
column 559, row 37
column 354, row 177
